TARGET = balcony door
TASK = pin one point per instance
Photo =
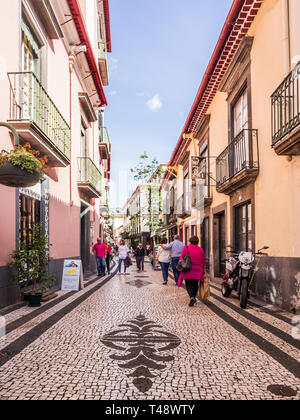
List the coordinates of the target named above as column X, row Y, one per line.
column 240, row 120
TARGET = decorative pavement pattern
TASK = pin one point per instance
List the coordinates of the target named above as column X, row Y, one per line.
column 139, row 283
column 112, row 341
column 141, row 354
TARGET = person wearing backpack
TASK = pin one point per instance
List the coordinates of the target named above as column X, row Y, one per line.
column 197, row 268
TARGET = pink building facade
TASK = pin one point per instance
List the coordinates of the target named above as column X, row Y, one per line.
column 53, row 69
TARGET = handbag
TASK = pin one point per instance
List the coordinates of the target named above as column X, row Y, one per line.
column 128, row 262
column 204, row 289
column 185, row 264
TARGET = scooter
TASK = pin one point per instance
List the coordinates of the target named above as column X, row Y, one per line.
column 241, row 270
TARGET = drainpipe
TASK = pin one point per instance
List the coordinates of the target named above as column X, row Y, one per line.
column 286, row 36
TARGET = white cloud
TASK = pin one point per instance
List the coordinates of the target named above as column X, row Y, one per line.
column 155, row 104
column 112, row 92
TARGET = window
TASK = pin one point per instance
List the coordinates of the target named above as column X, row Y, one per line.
column 84, row 141
column 243, row 228
column 240, row 114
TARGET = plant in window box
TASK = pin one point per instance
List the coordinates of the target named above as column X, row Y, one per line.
column 30, row 264
column 21, row 167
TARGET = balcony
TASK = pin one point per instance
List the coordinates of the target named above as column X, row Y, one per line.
column 89, row 178
column 103, row 63
column 183, row 209
column 238, row 165
column 37, row 120
column 286, row 115
column 104, row 144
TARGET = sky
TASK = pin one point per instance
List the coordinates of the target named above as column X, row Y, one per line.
column 160, row 51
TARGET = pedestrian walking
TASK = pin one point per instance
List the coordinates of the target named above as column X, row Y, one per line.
column 176, row 248
column 140, row 257
column 123, row 253
column 149, row 250
column 108, row 256
column 100, row 253
column 198, row 269
column 164, row 258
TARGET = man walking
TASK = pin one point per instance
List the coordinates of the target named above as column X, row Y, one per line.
column 140, row 257
column 100, row 253
column 177, row 248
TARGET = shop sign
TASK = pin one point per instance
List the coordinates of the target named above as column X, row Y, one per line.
column 72, row 276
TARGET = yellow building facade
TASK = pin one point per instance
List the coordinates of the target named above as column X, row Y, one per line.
column 241, row 144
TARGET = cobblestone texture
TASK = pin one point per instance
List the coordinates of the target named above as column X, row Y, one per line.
column 213, row 361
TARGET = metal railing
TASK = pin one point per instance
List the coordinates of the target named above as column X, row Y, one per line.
column 29, row 102
column 88, row 173
column 242, row 153
column 286, row 106
column 104, row 137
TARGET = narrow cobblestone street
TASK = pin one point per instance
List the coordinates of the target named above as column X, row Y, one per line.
column 130, row 337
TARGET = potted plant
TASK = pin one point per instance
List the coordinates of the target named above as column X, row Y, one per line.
column 30, row 263
column 21, row 167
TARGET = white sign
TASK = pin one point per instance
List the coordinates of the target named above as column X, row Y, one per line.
column 72, row 276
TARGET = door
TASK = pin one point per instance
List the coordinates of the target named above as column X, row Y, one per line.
column 85, row 237
column 240, row 150
column 30, row 66
column 243, row 228
column 205, row 243
column 219, row 245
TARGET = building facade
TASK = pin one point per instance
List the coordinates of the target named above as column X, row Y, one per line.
column 143, row 211
column 53, row 66
column 234, row 176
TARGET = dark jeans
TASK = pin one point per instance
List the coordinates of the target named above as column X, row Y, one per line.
column 108, row 258
column 140, row 261
column 165, row 270
column 100, row 265
column 175, row 262
column 192, row 287
column 120, row 265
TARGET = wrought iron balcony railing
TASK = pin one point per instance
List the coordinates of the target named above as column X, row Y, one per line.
column 104, row 143
column 239, row 158
column 89, row 175
column 31, row 103
column 286, row 106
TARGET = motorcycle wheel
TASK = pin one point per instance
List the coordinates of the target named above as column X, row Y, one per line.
column 226, row 291
column 244, row 294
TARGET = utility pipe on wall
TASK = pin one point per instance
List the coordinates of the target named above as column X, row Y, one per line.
column 286, row 36
column 71, row 63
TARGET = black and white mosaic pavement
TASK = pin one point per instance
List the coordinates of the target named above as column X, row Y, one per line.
column 115, row 340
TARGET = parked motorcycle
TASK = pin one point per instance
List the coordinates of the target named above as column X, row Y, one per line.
column 241, row 270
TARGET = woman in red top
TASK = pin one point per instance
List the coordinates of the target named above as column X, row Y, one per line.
column 108, row 256
column 197, row 271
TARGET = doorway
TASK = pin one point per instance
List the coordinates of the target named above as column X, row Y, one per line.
column 85, row 237
column 219, row 244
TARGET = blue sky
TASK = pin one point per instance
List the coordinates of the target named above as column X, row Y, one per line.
column 161, row 49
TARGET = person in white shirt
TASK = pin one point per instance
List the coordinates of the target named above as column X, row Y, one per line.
column 123, row 253
column 164, row 258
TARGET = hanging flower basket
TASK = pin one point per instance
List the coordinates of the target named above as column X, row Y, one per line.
column 15, row 176
column 21, row 167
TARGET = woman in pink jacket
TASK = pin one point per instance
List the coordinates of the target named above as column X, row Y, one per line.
column 197, row 271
